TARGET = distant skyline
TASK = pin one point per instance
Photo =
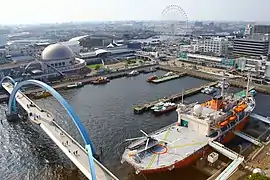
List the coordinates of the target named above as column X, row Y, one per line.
column 57, row 11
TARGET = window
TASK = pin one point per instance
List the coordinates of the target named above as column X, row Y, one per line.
column 63, row 63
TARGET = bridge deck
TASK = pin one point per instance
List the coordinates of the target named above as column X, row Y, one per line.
column 66, row 143
column 261, row 118
column 248, row 138
column 237, row 159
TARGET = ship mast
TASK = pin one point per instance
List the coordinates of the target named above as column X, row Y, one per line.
column 223, row 84
column 248, row 81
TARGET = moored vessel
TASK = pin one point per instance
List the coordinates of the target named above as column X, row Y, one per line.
column 75, row 85
column 162, row 108
column 100, row 80
column 133, row 73
column 182, row 143
column 40, row 94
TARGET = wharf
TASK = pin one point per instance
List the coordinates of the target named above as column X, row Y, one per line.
column 168, row 78
column 62, row 84
column 173, row 98
column 239, row 82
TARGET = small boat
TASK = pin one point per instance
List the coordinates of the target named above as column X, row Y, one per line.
column 152, row 78
column 133, row 73
column 157, row 106
column 252, row 92
column 166, row 107
column 208, row 90
column 100, row 80
column 169, row 74
column 220, row 84
column 150, row 70
column 40, row 95
column 75, row 85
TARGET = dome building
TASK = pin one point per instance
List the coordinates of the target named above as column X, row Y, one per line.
column 61, row 58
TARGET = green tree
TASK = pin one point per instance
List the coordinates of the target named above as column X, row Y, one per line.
column 97, row 67
column 257, row 176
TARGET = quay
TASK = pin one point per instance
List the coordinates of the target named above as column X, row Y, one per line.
column 62, row 84
column 238, row 82
column 168, row 78
column 173, row 98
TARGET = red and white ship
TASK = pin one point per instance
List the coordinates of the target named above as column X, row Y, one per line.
column 182, row 143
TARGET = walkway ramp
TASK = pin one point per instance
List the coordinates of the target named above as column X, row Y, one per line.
column 261, row 118
column 237, row 159
column 230, row 169
column 223, row 150
column 74, row 151
column 248, row 138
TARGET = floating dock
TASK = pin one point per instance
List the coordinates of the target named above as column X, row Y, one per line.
column 168, row 78
column 147, row 106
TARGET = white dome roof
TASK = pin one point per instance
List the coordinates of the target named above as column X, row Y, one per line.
column 57, row 52
column 198, row 109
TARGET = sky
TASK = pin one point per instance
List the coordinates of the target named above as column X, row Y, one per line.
column 51, row 11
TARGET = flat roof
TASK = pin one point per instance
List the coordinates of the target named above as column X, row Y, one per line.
column 211, row 58
column 112, row 51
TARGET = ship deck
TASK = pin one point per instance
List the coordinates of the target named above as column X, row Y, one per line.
column 181, row 143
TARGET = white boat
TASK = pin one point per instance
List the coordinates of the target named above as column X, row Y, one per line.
column 220, row 84
column 75, row 85
column 168, row 74
column 133, row 73
column 208, row 90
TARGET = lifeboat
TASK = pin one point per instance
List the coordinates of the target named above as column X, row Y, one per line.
column 224, row 123
column 240, row 108
column 232, row 118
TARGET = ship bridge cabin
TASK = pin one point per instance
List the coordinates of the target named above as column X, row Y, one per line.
column 200, row 119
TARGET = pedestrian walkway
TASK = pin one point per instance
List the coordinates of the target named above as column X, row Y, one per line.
column 75, row 152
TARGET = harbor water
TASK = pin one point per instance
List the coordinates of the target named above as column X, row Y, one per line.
column 107, row 113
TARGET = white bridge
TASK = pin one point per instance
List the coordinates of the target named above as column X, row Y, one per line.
column 237, row 159
column 75, row 152
column 261, row 118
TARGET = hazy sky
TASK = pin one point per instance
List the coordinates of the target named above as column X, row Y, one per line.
column 36, row 11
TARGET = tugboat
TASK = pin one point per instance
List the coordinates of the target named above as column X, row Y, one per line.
column 75, row 85
column 187, row 140
column 162, row 108
column 133, row 73
column 100, row 80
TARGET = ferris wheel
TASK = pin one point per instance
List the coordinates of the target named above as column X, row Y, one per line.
column 175, row 20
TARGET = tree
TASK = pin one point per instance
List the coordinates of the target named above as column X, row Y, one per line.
column 258, row 176
column 97, row 67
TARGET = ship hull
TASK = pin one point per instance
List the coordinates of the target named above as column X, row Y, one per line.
column 193, row 158
column 170, row 109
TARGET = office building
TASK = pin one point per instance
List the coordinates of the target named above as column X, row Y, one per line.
column 218, row 46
